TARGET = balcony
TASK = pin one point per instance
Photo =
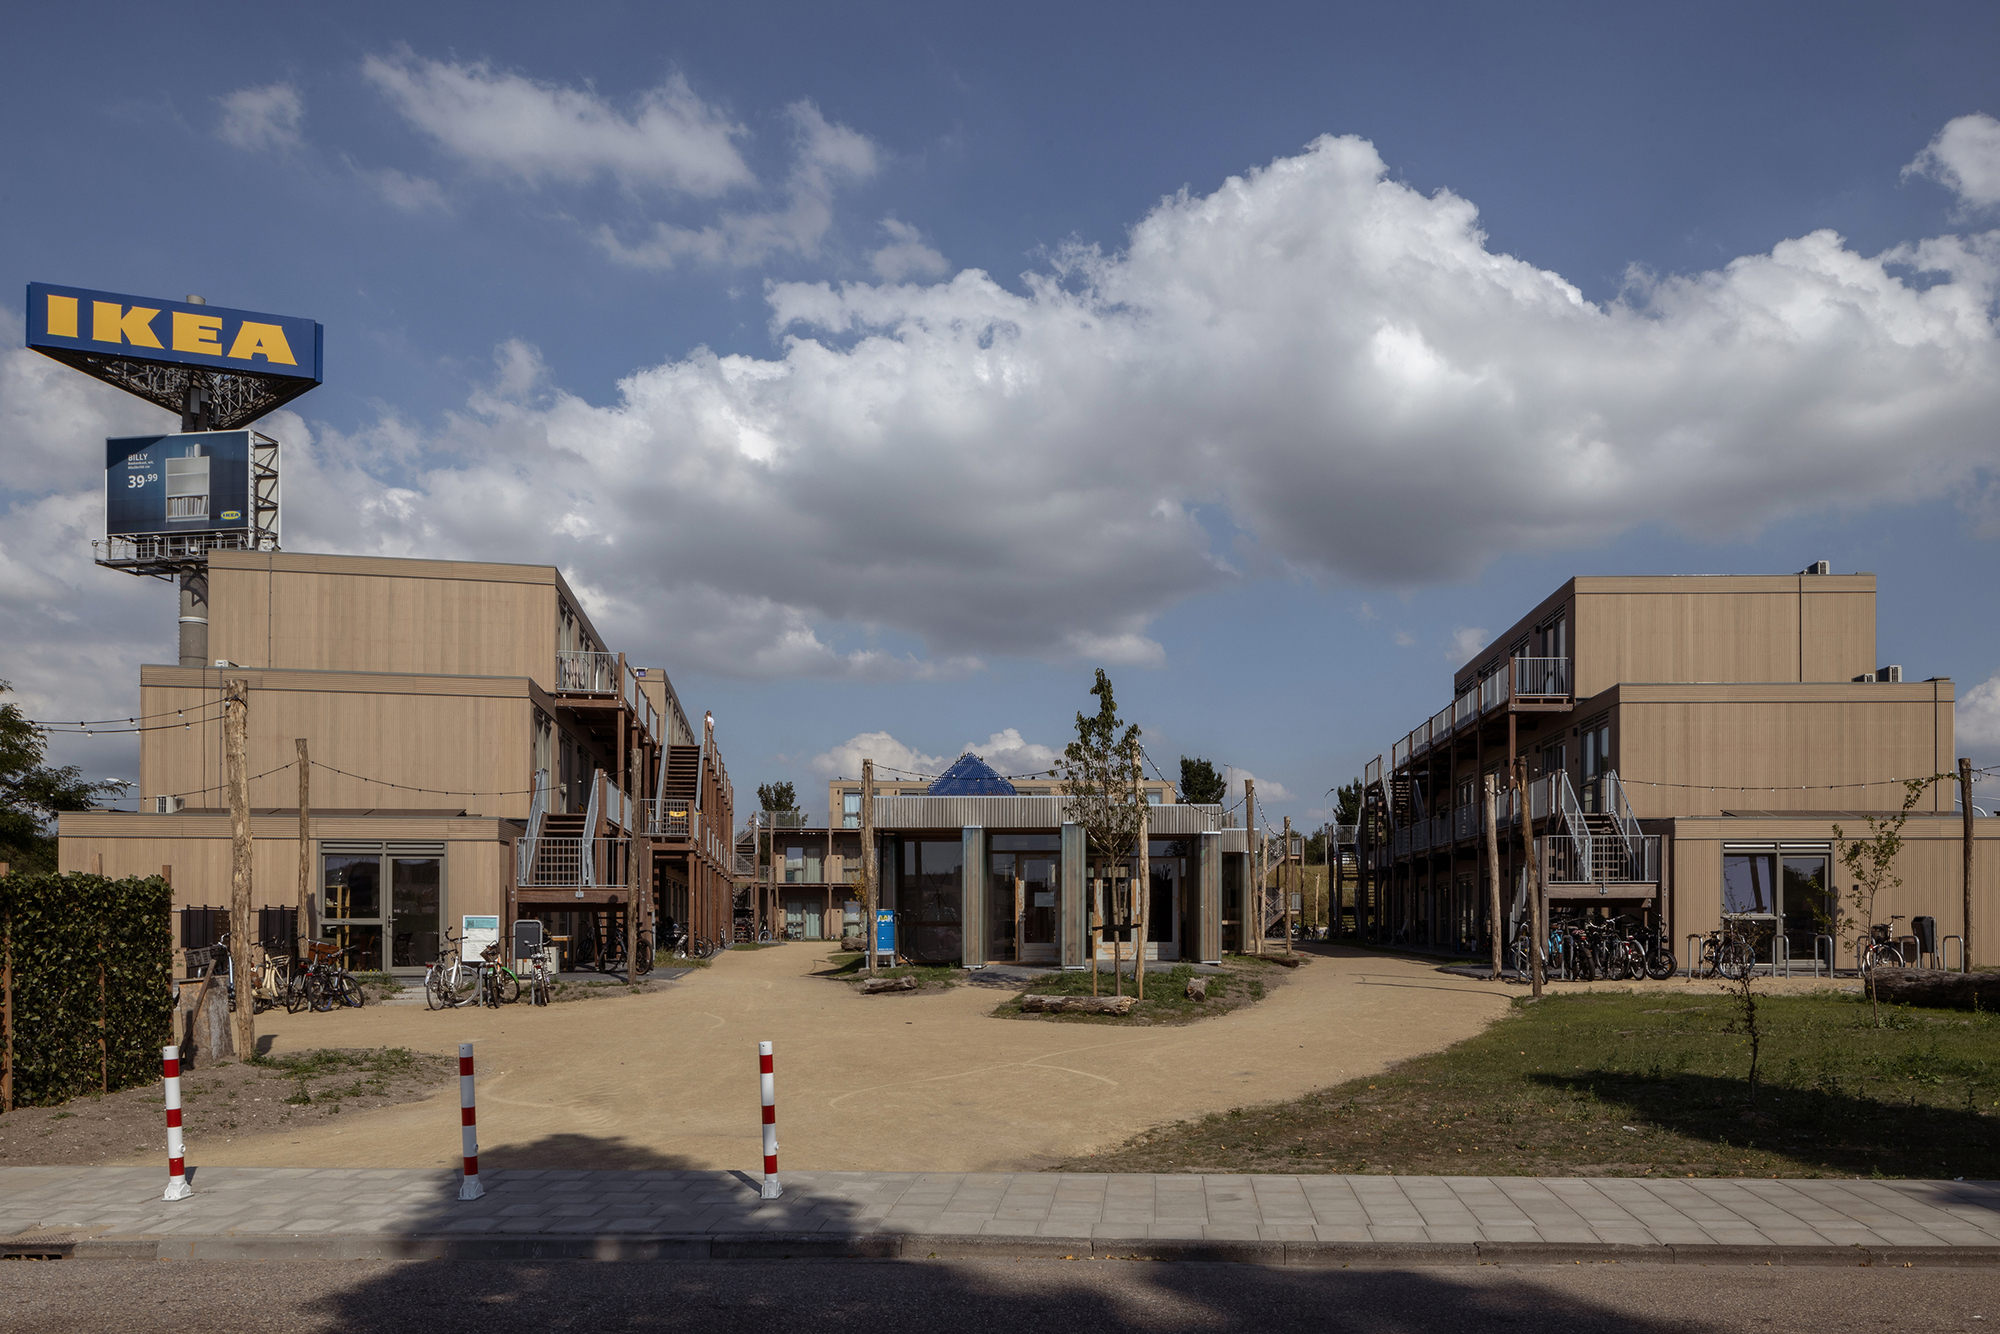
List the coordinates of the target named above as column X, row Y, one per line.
column 1603, row 860
column 586, row 672
column 571, row 863
column 671, row 817
column 1537, row 684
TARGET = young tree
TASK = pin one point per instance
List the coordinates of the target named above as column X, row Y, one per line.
column 1099, row 788
column 1200, row 783
column 776, row 797
column 1871, row 861
column 32, row 793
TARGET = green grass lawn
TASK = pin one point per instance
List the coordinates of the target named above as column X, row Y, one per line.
column 1166, row 999
column 1636, row 1085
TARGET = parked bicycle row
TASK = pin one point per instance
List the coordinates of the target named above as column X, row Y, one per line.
column 1592, row 949
column 320, row 981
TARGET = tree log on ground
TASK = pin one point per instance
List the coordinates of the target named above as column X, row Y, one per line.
column 1078, row 1004
column 1197, row 989
column 876, row 985
column 1947, row 991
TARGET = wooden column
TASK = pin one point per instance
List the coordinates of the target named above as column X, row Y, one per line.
column 304, row 924
column 1285, row 882
column 870, row 867
column 1253, row 894
column 1539, row 929
column 236, row 744
column 1492, row 871
column 1144, row 865
column 1965, row 801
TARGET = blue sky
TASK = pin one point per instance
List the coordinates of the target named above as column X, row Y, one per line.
column 867, row 367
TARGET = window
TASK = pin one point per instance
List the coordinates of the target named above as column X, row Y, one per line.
column 850, row 810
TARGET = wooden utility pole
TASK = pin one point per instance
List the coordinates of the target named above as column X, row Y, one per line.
column 1540, row 931
column 236, row 759
column 869, row 860
column 1144, row 908
column 1965, row 801
column 1253, row 902
column 1493, row 874
column 304, row 924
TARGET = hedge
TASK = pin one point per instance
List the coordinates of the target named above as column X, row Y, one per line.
column 90, row 958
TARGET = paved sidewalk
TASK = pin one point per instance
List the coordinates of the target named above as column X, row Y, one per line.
column 279, row 1212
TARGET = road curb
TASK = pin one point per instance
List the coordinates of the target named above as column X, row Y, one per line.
column 698, row 1248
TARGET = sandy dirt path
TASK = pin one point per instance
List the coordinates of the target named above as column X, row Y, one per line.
column 878, row 1083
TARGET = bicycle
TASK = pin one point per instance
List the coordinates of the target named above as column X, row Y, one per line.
column 541, row 973
column 1880, row 948
column 1730, row 952
column 449, row 982
column 498, row 984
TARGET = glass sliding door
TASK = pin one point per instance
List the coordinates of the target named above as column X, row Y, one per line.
column 414, row 903
column 1022, row 882
column 1809, row 908
column 352, row 915
column 383, row 902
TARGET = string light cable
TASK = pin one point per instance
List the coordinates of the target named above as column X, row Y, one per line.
column 102, row 726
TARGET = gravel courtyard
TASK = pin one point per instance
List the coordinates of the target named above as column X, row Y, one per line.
column 869, row 1083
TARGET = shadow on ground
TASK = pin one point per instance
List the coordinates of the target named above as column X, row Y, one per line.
column 1826, row 1128
column 582, row 1152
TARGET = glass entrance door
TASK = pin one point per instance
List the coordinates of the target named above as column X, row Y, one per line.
column 1035, row 895
column 1163, row 908
column 384, row 907
column 352, row 915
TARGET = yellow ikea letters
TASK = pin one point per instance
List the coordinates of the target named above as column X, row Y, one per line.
column 197, row 333
column 112, row 323
column 62, row 316
column 265, row 340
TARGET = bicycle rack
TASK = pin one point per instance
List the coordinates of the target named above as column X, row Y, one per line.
column 1944, row 952
column 1780, row 947
column 1693, row 955
column 1832, row 954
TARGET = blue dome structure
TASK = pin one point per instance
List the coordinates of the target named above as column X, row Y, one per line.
column 970, row 776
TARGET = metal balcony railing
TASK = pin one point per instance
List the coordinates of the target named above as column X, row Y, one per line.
column 1399, row 753
column 1441, row 725
column 1601, row 861
column 582, row 672
column 1542, row 678
column 672, row 817
column 572, row 863
column 1464, row 709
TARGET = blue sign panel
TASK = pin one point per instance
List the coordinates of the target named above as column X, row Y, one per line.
column 77, row 319
column 885, row 931
column 162, row 484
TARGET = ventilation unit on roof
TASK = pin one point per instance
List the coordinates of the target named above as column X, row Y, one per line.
column 168, row 805
column 1818, row 567
column 1889, row 673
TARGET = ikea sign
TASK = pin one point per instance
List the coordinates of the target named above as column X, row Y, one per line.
column 112, row 324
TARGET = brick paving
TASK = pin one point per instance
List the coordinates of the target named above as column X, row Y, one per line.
column 112, row 1203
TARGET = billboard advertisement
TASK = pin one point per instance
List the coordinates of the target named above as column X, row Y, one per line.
column 162, row 485
column 113, row 324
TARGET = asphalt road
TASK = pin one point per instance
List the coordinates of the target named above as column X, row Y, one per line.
column 1018, row 1297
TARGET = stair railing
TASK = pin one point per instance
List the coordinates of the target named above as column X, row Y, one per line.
column 1574, row 821
column 588, row 865
column 538, row 807
column 1619, row 807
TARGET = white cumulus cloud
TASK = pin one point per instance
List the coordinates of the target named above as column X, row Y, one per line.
column 826, row 157
column 1466, row 641
column 1976, row 718
column 262, row 119
column 906, row 256
column 1009, row 753
column 1965, row 158
column 922, row 476
column 540, row 132
column 844, row 760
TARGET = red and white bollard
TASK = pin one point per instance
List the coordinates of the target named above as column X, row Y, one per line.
column 469, row 1189
column 170, row 1070
column 767, row 1083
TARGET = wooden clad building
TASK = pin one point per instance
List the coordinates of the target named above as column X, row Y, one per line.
column 1691, row 744
column 476, row 750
